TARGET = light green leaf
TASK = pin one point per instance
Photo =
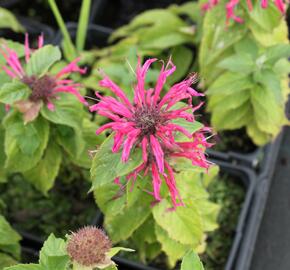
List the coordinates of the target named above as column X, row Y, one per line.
column 173, row 249
column 68, row 111
column 8, row 20
column 274, row 53
column 24, row 144
column 115, row 250
column 247, row 45
column 43, row 175
column 53, row 254
column 131, row 217
column 14, row 91
column 30, row 266
column 241, row 62
column 183, row 224
column 191, row 127
column 6, row 260
column 9, row 238
column 191, row 261
column 42, row 59
column 108, row 165
column 258, row 136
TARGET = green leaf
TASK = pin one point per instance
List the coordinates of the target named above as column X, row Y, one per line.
column 191, row 261
column 42, row 59
column 173, row 249
column 30, row 266
column 6, row 260
column 14, row 91
column 9, row 238
column 43, row 175
column 191, row 127
column 108, row 165
column 8, row 20
column 131, row 217
column 24, row 144
column 274, row 53
column 115, row 250
column 230, row 83
column 68, row 111
column 268, row 114
column 247, row 45
column 53, row 254
column 241, row 62
column 182, row 224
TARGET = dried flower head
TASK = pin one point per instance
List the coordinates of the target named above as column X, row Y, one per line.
column 45, row 88
column 88, row 246
column 149, row 123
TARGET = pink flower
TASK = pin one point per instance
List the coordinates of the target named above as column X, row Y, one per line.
column 148, row 123
column 44, row 88
column 232, row 4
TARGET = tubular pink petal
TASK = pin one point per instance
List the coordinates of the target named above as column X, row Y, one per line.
column 264, row 3
column 156, row 181
column 162, row 79
column 75, row 92
column 104, row 127
column 281, row 6
column 157, row 152
column 175, row 127
column 40, row 41
column 118, row 140
column 71, row 67
column 144, row 145
column 128, row 144
column 9, row 72
column 107, row 83
column 26, row 48
column 50, row 106
column 250, row 5
column 141, row 71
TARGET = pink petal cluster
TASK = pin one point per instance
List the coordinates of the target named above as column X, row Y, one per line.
column 232, row 4
column 43, row 88
column 148, row 123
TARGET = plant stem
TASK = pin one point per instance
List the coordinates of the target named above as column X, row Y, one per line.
column 83, row 25
column 69, row 48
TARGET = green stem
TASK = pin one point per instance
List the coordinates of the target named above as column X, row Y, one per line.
column 83, row 25
column 68, row 44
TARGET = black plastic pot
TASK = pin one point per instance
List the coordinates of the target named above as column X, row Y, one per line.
column 33, row 28
column 247, row 178
column 97, row 36
column 8, row 3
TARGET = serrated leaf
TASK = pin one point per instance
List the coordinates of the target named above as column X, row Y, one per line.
column 6, row 260
column 247, row 45
column 258, row 136
column 24, row 144
column 182, row 225
column 42, row 59
column 107, row 165
column 191, row 261
column 53, row 254
column 68, row 111
column 274, row 53
column 43, row 175
column 14, row 91
column 173, row 249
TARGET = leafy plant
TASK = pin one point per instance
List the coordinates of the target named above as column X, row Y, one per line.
column 43, row 124
column 245, row 69
column 56, row 253
column 9, row 244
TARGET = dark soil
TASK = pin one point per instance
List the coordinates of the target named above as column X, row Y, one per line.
column 67, row 207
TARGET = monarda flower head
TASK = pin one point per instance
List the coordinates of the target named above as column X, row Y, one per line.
column 44, row 88
column 89, row 247
column 231, row 5
column 148, row 122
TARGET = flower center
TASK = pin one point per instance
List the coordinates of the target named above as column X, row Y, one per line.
column 42, row 88
column 147, row 119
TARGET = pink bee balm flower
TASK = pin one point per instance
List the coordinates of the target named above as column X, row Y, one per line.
column 232, row 4
column 149, row 123
column 44, row 89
